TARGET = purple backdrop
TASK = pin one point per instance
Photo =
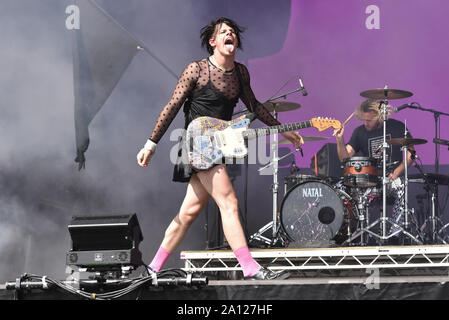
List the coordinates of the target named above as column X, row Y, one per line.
column 338, row 57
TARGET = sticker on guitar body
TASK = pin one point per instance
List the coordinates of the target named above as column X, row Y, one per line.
column 210, row 139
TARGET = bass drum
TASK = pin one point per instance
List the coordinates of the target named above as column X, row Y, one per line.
column 292, row 180
column 313, row 214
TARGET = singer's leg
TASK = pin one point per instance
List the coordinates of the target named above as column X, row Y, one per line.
column 195, row 200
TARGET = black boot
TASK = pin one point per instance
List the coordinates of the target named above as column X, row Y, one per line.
column 267, row 274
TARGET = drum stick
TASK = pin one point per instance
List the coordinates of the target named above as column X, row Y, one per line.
column 344, row 123
column 347, row 120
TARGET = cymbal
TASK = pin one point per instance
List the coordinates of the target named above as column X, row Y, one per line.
column 389, row 94
column 306, row 139
column 432, row 178
column 281, row 106
column 406, row 141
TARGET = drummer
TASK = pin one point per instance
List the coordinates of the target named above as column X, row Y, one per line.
column 366, row 141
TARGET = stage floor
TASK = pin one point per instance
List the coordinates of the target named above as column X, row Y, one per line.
column 349, row 273
column 349, row 288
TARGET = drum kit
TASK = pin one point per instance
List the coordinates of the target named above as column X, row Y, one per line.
column 318, row 211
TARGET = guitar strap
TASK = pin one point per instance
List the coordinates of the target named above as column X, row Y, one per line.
column 239, row 76
column 187, row 103
column 250, row 111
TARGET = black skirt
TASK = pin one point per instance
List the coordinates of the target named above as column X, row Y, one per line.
column 183, row 171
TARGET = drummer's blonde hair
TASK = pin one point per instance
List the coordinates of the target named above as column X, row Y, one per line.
column 373, row 106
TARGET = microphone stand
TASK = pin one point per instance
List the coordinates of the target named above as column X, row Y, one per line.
column 436, row 115
column 285, row 95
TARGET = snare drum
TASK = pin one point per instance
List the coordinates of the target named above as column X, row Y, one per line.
column 361, row 172
column 313, row 214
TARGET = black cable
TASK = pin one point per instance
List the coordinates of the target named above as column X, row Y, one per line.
column 43, row 282
column 142, row 46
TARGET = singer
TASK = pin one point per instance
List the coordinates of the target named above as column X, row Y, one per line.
column 211, row 87
column 366, row 141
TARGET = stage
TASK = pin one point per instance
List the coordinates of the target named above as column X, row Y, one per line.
column 90, row 87
column 347, row 273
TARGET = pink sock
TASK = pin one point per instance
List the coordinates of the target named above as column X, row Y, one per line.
column 159, row 259
column 249, row 265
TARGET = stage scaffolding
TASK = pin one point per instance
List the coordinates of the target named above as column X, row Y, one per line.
column 423, row 260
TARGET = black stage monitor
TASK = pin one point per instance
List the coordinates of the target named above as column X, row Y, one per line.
column 105, row 241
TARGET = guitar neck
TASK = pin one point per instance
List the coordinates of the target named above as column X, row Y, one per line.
column 260, row 132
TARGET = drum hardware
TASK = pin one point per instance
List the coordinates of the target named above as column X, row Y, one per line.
column 384, row 95
column 383, row 105
column 432, row 180
column 275, row 107
column 277, row 239
column 437, row 141
column 363, row 218
column 272, row 106
column 293, row 167
column 280, row 106
column 274, row 224
column 406, row 144
column 434, row 218
column 363, row 203
column 441, row 141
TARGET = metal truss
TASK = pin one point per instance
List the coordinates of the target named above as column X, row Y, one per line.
column 416, row 257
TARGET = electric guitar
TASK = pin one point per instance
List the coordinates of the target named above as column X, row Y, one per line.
column 210, row 139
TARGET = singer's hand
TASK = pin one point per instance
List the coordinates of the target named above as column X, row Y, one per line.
column 143, row 157
column 294, row 137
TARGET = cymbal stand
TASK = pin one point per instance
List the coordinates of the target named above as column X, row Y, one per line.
column 277, row 239
column 274, row 224
column 433, row 188
column 383, row 220
column 434, row 220
column 406, row 229
column 275, row 186
column 405, row 160
column 384, row 170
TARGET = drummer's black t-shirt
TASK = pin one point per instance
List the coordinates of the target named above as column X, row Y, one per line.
column 369, row 143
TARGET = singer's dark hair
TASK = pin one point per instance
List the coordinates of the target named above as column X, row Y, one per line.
column 209, row 31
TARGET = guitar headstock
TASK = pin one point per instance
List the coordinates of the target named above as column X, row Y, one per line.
column 324, row 123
